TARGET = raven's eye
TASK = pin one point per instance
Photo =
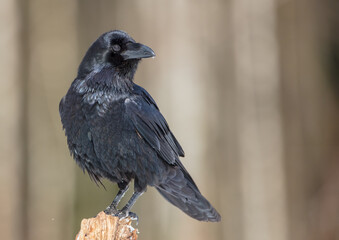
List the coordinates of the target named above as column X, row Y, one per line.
column 116, row 48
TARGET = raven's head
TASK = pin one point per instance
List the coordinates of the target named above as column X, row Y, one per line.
column 114, row 49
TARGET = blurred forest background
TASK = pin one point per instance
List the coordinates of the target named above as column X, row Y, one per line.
column 250, row 89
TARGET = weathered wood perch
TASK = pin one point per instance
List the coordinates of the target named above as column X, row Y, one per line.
column 106, row 227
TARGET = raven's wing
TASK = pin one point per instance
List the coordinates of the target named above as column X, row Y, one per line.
column 152, row 126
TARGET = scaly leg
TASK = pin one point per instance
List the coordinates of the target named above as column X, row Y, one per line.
column 125, row 211
column 112, row 209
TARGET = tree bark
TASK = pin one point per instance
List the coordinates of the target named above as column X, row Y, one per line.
column 107, row 227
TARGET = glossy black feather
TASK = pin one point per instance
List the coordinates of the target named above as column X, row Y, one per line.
column 152, row 126
column 184, row 194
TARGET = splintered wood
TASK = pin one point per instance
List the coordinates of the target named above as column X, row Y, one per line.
column 106, row 227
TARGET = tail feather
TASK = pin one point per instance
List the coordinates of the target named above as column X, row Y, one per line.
column 180, row 190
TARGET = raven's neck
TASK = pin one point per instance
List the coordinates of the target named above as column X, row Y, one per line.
column 109, row 80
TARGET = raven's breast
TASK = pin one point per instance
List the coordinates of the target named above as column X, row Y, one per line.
column 105, row 143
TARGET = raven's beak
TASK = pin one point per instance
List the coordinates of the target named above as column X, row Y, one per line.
column 137, row 51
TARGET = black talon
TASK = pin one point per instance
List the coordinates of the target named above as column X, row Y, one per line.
column 134, row 217
column 121, row 214
column 124, row 214
column 110, row 210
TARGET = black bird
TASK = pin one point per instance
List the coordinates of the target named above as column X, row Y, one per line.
column 115, row 130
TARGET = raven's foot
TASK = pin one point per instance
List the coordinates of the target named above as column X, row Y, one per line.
column 124, row 214
column 111, row 210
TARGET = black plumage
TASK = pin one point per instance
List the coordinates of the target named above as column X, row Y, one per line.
column 115, row 130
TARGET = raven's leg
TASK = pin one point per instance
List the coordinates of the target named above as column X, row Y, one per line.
column 112, row 209
column 132, row 201
column 125, row 211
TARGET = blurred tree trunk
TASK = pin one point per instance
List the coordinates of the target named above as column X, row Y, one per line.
column 259, row 124
column 310, row 115
column 50, row 42
column 11, row 144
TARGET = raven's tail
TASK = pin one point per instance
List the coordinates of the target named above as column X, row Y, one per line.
column 180, row 190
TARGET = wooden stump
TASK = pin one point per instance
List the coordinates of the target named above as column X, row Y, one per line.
column 106, row 227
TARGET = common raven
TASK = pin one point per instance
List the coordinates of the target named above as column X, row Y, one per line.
column 115, row 130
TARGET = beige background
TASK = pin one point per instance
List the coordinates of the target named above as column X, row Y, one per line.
column 250, row 89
